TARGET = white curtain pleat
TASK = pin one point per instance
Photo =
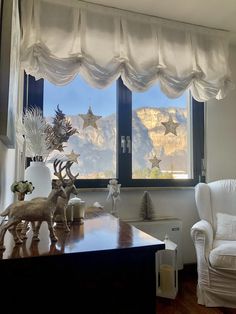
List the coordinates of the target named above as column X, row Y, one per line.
column 61, row 40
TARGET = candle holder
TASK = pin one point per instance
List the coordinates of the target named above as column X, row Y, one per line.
column 76, row 210
column 167, row 270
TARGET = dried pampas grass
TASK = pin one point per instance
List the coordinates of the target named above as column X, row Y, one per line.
column 31, row 132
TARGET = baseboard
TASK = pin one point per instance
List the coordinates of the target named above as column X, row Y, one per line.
column 189, row 269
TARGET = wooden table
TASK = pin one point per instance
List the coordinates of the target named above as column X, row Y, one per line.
column 105, row 265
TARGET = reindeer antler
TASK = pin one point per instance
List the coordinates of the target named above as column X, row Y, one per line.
column 58, row 173
column 68, row 172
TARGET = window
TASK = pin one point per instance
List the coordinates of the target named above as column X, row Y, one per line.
column 142, row 139
column 93, row 113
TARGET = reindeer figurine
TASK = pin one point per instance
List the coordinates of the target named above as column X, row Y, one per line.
column 69, row 186
column 37, row 209
column 62, row 202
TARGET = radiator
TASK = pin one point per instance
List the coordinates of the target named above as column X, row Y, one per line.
column 161, row 227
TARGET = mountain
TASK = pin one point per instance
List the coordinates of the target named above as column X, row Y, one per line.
column 149, row 138
column 97, row 146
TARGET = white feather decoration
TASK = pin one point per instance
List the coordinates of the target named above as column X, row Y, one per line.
column 32, row 131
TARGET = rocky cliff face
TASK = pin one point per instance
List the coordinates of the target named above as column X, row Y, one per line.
column 97, row 146
column 171, row 149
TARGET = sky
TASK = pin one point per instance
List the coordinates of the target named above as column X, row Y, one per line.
column 76, row 97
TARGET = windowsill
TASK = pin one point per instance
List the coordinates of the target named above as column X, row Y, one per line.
column 139, row 188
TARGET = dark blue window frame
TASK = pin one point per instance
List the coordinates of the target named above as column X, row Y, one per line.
column 33, row 96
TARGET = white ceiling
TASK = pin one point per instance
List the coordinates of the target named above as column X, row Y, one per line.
column 220, row 14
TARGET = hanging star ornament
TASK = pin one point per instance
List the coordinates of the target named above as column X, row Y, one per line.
column 89, row 119
column 170, row 126
column 155, row 162
column 73, row 156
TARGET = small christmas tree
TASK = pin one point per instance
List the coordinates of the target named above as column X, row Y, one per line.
column 59, row 132
column 146, row 210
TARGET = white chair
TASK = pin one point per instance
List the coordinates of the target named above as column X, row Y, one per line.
column 214, row 237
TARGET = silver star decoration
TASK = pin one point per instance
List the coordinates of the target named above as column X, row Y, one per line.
column 170, row 126
column 89, row 119
column 155, row 162
column 73, row 156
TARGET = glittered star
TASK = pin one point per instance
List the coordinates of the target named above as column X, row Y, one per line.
column 170, row 126
column 73, row 157
column 89, row 119
column 155, row 162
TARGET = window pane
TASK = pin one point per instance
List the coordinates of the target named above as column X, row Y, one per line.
column 161, row 146
column 93, row 113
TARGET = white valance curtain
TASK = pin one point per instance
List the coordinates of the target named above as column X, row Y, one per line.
column 61, row 39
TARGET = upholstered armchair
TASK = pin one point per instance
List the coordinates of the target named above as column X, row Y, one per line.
column 214, row 237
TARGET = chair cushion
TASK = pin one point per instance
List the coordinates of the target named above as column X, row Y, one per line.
column 225, row 227
column 223, row 256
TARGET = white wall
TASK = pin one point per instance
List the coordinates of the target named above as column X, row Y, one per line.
column 221, row 132
column 7, row 175
column 8, row 168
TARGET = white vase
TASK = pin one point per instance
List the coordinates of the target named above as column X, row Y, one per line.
column 40, row 176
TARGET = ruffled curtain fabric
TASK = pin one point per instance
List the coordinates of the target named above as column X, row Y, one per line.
column 61, row 39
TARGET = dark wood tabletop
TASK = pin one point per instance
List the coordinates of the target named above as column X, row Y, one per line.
column 99, row 232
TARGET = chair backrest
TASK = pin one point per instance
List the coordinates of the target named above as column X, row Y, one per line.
column 214, row 197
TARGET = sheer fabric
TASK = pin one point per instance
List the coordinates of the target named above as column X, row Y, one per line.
column 61, row 39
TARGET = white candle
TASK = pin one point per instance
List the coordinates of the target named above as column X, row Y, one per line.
column 77, row 209
column 167, row 278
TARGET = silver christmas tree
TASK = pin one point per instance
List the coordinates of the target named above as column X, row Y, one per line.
column 146, row 209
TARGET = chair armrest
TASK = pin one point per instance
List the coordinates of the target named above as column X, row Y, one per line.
column 202, row 236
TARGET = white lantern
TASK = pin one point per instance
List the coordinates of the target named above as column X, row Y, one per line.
column 167, row 270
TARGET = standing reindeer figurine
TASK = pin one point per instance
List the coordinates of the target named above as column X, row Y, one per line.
column 62, row 201
column 69, row 186
column 38, row 209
